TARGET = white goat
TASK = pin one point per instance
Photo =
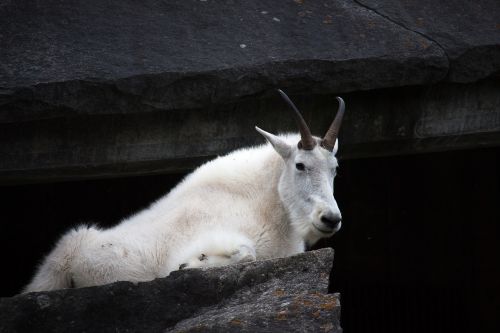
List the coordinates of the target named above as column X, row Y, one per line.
column 254, row 203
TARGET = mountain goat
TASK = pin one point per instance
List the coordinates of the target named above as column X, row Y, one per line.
column 254, row 203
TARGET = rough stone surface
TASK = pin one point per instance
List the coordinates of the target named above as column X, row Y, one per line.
column 377, row 123
column 442, row 117
column 286, row 295
column 468, row 31
column 73, row 57
column 93, row 89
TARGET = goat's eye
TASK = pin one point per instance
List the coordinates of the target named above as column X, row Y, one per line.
column 300, row 166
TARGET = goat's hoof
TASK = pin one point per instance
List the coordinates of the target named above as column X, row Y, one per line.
column 243, row 254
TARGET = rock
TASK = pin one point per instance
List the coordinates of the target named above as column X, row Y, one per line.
column 407, row 120
column 468, row 31
column 63, row 59
column 96, row 90
column 444, row 117
column 288, row 294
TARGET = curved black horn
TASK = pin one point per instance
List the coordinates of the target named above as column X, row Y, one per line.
column 306, row 142
column 328, row 141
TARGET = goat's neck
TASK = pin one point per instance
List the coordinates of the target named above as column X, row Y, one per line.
column 279, row 231
column 267, row 184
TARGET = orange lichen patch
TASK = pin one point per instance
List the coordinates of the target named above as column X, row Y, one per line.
column 294, row 307
column 304, row 13
column 307, row 302
column 327, row 19
column 424, row 44
column 300, row 302
column 300, row 2
column 279, row 292
column 371, row 24
column 408, row 44
column 316, row 293
column 282, row 315
column 327, row 327
column 329, row 305
column 236, row 322
column 314, row 301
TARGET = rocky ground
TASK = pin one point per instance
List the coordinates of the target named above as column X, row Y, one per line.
column 279, row 295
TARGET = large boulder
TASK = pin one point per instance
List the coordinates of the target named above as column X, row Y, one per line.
column 93, row 57
column 279, row 295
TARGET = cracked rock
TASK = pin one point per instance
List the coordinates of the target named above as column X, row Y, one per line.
column 468, row 31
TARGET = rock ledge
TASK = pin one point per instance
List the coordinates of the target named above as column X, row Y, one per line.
column 287, row 295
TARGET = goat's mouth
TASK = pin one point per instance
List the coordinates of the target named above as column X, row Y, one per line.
column 324, row 231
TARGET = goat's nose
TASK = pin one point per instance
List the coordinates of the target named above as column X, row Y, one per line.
column 331, row 220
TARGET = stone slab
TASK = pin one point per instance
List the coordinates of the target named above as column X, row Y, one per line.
column 70, row 58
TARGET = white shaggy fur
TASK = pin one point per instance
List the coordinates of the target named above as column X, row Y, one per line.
column 251, row 204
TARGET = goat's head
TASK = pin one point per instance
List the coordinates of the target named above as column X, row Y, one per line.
column 306, row 183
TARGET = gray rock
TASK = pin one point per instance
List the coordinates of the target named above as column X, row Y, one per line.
column 407, row 120
column 288, row 294
column 93, row 90
column 468, row 31
column 444, row 117
column 93, row 57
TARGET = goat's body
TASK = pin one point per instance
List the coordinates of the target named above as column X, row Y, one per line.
column 227, row 203
column 256, row 203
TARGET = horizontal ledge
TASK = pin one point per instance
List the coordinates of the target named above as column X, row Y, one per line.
column 377, row 123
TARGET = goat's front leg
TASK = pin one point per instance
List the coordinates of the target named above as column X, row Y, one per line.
column 218, row 249
column 221, row 258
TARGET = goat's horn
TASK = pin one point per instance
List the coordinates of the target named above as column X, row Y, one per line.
column 328, row 141
column 306, row 142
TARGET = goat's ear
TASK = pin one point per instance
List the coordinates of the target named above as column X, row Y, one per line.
column 281, row 147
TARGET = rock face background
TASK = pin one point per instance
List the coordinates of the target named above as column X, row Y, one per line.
column 280, row 295
column 92, row 89
column 178, row 55
column 186, row 54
